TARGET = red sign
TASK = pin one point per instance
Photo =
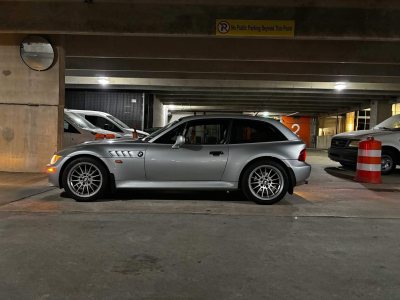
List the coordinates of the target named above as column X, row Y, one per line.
column 301, row 127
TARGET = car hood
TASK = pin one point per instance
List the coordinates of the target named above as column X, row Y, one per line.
column 138, row 131
column 102, row 131
column 362, row 134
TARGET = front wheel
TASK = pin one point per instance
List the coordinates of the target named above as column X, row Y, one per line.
column 265, row 182
column 388, row 162
column 85, row 179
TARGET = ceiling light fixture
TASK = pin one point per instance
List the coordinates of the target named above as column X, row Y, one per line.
column 292, row 114
column 103, row 80
column 340, row 86
column 171, row 106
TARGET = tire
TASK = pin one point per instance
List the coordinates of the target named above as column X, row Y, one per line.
column 251, row 179
column 346, row 165
column 86, row 172
column 388, row 162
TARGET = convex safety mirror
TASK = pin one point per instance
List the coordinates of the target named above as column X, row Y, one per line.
column 37, row 53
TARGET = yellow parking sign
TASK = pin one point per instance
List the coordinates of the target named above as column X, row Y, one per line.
column 283, row 28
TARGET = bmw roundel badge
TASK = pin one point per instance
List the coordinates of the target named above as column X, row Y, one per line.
column 140, row 154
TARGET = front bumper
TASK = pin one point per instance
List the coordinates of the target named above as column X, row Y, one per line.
column 55, row 176
column 343, row 155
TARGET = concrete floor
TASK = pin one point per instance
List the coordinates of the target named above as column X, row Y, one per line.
column 333, row 239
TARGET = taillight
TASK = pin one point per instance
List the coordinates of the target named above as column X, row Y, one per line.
column 303, row 155
column 110, row 136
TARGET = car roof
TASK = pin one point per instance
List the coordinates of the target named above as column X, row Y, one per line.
column 90, row 112
column 244, row 117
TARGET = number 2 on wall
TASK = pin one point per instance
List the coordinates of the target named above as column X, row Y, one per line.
column 298, row 128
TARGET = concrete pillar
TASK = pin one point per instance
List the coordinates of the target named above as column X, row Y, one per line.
column 31, row 108
column 380, row 111
column 159, row 114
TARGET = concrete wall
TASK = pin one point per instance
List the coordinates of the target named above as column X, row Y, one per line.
column 159, row 114
column 380, row 111
column 324, row 141
column 31, row 109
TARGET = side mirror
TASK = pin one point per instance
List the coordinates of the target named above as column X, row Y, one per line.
column 180, row 140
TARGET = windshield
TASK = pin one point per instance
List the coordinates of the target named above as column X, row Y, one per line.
column 149, row 137
column 391, row 123
column 78, row 120
column 119, row 122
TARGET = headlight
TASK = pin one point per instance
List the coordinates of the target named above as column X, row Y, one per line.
column 354, row 144
column 54, row 159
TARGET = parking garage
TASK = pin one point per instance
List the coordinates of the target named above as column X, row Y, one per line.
column 335, row 71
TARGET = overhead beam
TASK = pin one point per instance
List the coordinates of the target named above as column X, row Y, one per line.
column 262, row 99
column 277, row 50
column 155, row 89
column 231, row 84
column 252, row 95
column 128, row 65
column 229, row 76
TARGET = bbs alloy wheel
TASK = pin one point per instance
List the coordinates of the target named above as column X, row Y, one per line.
column 85, row 179
column 265, row 182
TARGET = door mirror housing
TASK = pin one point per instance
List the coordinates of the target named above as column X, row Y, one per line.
column 180, row 140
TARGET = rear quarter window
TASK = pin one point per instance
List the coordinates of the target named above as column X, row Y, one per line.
column 251, row 131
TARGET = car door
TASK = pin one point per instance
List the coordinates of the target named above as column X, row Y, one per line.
column 202, row 158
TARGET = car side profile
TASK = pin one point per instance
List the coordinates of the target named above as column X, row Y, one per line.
column 258, row 155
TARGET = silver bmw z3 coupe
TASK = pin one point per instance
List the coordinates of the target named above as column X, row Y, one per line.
column 258, row 155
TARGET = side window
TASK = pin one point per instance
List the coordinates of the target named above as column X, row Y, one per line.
column 207, row 131
column 69, row 128
column 170, row 136
column 102, row 123
column 249, row 131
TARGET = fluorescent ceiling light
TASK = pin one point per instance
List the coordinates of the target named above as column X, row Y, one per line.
column 103, row 80
column 340, row 86
column 171, row 106
column 292, row 114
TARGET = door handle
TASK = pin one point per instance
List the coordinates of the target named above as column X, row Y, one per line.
column 216, row 153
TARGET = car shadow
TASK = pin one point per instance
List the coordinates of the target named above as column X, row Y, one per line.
column 170, row 194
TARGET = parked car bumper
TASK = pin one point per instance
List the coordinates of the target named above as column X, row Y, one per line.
column 345, row 155
column 301, row 170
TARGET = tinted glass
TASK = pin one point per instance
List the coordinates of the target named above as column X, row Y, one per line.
column 170, row 136
column 69, row 128
column 155, row 133
column 249, row 131
column 118, row 121
column 207, row 132
column 102, row 123
column 78, row 120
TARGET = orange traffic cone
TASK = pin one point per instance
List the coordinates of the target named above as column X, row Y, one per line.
column 369, row 161
column 134, row 134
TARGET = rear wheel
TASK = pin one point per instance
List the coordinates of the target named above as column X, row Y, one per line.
column 265, row 182
column 388, row 162
column 85, row 179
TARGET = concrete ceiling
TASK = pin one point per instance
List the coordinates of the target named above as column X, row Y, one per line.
column 239, row 74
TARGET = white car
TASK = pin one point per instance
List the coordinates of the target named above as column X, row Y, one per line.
column 108, row 122
column 77, row 130
column 344, row 146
